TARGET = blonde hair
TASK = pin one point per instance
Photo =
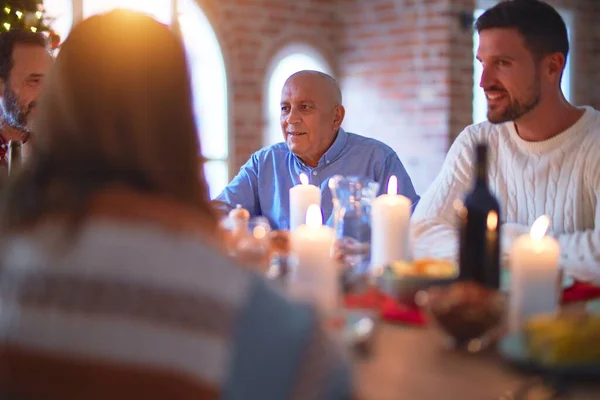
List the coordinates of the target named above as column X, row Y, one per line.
column 116, row 108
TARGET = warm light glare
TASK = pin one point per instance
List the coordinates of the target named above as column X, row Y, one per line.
column 7, row 26
column 259, row 232
column 38, row 14
column 33, row 29
column 19, row 14
column 393, row 185
column 492, row 220
column 539, row 227
column 158, row 9
column 313, row 216
column 304, row 179
column 7, row 10
column 460, row 208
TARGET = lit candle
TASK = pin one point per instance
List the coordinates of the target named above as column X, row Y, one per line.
column 314, row 275
column 534, row 275
column 390, row 216
column 301, row 197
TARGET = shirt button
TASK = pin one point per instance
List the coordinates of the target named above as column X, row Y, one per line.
column 315, row 173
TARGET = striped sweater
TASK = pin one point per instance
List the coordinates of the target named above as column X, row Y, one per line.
column 132, row 311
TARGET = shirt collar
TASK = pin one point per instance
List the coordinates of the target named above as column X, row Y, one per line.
column 336, row 148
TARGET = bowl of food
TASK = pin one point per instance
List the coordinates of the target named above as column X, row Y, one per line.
column 466, row 312
column 563, row 340
column 403, row 280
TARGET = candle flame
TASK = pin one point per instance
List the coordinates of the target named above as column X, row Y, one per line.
column 393, row 185
column 539, row 227
column 259, row 232
column 303, row 179
column 492, row 220
column 313, row 216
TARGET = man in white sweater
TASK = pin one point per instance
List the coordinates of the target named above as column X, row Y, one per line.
column 543, row 151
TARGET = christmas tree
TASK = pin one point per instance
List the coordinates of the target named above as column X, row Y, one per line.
column 27, row 15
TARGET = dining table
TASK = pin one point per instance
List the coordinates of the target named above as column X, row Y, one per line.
column 415, row 363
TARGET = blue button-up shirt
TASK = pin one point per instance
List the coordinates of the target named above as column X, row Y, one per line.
column 263, row 183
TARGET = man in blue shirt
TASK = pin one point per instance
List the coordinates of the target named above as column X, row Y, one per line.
column 316, row 145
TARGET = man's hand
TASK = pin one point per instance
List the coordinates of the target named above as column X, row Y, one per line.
column 9, row 133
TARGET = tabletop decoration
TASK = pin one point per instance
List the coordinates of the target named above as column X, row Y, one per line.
column 534, row 287
column 301, row 197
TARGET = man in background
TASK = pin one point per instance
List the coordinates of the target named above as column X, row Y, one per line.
column 543, row 151
column 24, row 63
column 314, row 144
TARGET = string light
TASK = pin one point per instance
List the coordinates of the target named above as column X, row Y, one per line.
column 31, row 17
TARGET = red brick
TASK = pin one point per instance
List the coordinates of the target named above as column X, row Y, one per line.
column 389, row 50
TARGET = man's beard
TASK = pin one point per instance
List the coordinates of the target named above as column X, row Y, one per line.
column 516, row 109
column 15, row 115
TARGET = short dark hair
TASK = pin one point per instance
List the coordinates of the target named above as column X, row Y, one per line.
column 541, row 26
column 8, row 40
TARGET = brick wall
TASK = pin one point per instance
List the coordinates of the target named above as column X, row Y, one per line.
column 405, row 66
column 406, row 70
column 250, row 33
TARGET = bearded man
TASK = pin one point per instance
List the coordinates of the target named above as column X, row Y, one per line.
column 24, row 63
column 542, row 151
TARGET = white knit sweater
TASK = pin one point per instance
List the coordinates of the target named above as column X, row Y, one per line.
column 559, row 177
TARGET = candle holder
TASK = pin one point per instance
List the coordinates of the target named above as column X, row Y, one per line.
column 248, row 242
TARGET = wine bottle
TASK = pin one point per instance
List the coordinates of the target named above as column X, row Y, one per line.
column 479, row 248
column 14, row 155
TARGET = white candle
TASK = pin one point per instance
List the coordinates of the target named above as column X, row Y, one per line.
column 301, row 197
column 390, row 216
column 534, row 275
column 314, row 275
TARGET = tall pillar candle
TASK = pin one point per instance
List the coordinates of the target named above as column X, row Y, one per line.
column 314, row 275
column 390, row 217
column 301, row 197
column 534, row 275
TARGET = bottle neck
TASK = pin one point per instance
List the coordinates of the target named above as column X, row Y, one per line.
column 481, row 171
column 481, row 177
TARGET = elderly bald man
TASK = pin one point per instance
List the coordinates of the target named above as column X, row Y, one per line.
column 315, row 144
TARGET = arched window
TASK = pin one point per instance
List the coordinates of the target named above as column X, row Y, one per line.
column 479, row 101
column 207, row 68
column 209, row 84
column 291, row 59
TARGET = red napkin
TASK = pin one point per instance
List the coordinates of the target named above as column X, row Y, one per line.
column 580, row 291
column 389, row 309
